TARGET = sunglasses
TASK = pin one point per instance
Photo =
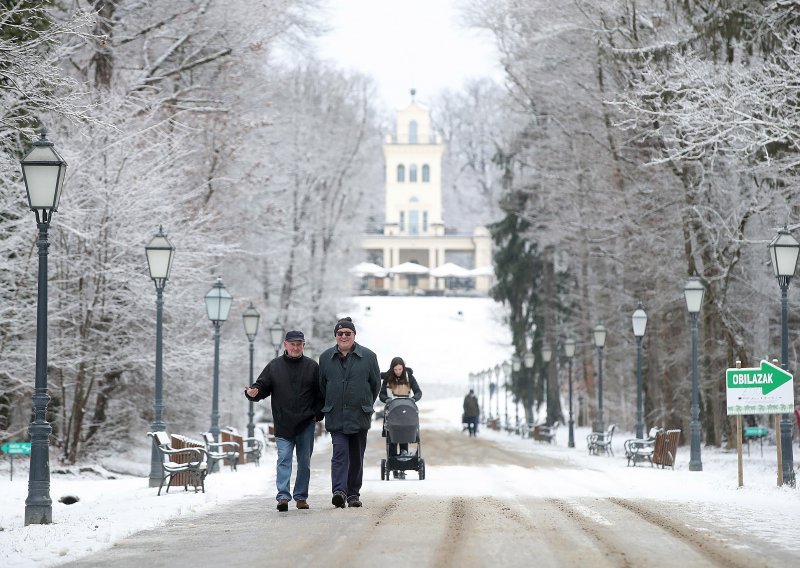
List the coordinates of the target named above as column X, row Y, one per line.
column 344, row 333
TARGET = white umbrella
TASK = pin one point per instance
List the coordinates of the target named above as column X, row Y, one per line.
column 482, row 271
column 368, row 269
column 408, row 268
column 450, row 269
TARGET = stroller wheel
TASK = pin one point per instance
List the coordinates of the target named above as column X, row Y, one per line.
column 384, row 473
column 421, row 469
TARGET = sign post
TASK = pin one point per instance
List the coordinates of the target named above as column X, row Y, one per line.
column 15, row 449
column 766, row 389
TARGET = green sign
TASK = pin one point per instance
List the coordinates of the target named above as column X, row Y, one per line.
column 767, row 389
column 768, row 377
column 16, row 448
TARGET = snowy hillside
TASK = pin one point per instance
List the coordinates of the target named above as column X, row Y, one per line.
column 442, row 339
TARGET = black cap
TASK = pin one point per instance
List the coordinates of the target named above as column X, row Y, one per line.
column 346, row 323
column 295, row 336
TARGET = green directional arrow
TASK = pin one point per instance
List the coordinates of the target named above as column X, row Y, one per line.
column 768, row 377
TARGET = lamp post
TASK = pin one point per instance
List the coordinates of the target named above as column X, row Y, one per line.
column 507, row 373
column 639, row 320
column 547, row 354
column 482, row 378
column 516, row 364
column 159, row 252
column 43, row 171
column 528, row 360
column 276, row 336
column 497, row 391
column 784, row 250
column 250, row 318
column 218, row 305
column 569, row 351
column 599, row 333
column 693, row 292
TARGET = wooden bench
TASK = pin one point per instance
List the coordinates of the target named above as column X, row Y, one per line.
column 545, row 433
column 180, row 466
column 665, row 448
column 217, row 452
column 601, row 441
column 640, row 449
column 250, row 447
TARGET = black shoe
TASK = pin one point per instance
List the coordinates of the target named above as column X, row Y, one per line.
column 338, row 499
column 283, row 505
column 353, row 501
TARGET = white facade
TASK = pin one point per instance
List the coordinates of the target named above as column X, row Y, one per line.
column 413, row 228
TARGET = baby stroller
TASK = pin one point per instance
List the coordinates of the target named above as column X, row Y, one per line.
column 401, row 426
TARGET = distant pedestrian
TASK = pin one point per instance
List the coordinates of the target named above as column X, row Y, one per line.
column 472, row 412
column 292, row 380
column 349, row 378
column 398, row 382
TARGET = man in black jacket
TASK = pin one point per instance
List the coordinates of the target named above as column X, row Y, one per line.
column 292, row 380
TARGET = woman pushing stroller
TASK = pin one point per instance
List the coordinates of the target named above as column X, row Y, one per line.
column 398, row 382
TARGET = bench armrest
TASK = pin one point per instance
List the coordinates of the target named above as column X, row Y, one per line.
column 215, row 446
column 197, row 455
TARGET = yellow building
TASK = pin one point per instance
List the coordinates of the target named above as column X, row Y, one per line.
column 413, row 229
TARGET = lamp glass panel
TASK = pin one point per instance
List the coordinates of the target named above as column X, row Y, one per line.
column 218, row 303
column 693, row 292
column 43, row 180
column 639, row 320
column 276, row 334
column 528, row 358
column 159, row 257
column 516, row 366
column 569, row 347
column 784, row 250
column 599, row 335
column 251, row 318
column 547, row 354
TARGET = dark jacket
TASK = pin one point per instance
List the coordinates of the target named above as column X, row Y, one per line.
column 412, row 382
column 349, row 390
column 294, row 387
column 471, row 407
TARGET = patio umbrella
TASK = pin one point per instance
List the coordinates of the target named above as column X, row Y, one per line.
column 368, row 269
column 482, row 271
column 450, row 270
column 409, row 268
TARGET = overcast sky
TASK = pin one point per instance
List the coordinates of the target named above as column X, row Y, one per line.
column 407, row 43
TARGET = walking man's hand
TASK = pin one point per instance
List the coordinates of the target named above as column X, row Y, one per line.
column 251, row 391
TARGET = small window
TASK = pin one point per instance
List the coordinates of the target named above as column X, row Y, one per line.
column 412, row 173
column 401, row 173
column 402, row 221
column 426, row 173
column 412, row 132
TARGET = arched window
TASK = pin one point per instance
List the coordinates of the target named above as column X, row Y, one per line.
column 412, row 173
column 426, row 173
column 412, row 132
column 401, row 173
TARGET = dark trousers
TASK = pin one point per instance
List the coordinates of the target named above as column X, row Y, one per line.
column 347, row 462
column 472, row 424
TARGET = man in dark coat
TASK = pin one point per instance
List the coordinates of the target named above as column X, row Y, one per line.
column 292, row 380
column 472, row 412
column 349, row 378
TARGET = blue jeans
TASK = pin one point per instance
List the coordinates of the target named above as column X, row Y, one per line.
column 347, row 462
column 303, row 445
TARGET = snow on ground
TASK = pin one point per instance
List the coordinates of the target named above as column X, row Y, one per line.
column 443, row 347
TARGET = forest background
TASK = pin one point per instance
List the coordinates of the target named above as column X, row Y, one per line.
column 632, row 144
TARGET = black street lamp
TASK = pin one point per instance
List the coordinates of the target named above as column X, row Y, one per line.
column 218, row 305
column 516, row 365
column 528, row 360
column 599, row 333
column 497, row 391
column 639, row 320
column 784, row 250
column 159, row 252
column 276, row 336
column 569, row 351
column 547, row 354
column 250, row 317
column 507, row 373
column 693, row 292
column 43, row 171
